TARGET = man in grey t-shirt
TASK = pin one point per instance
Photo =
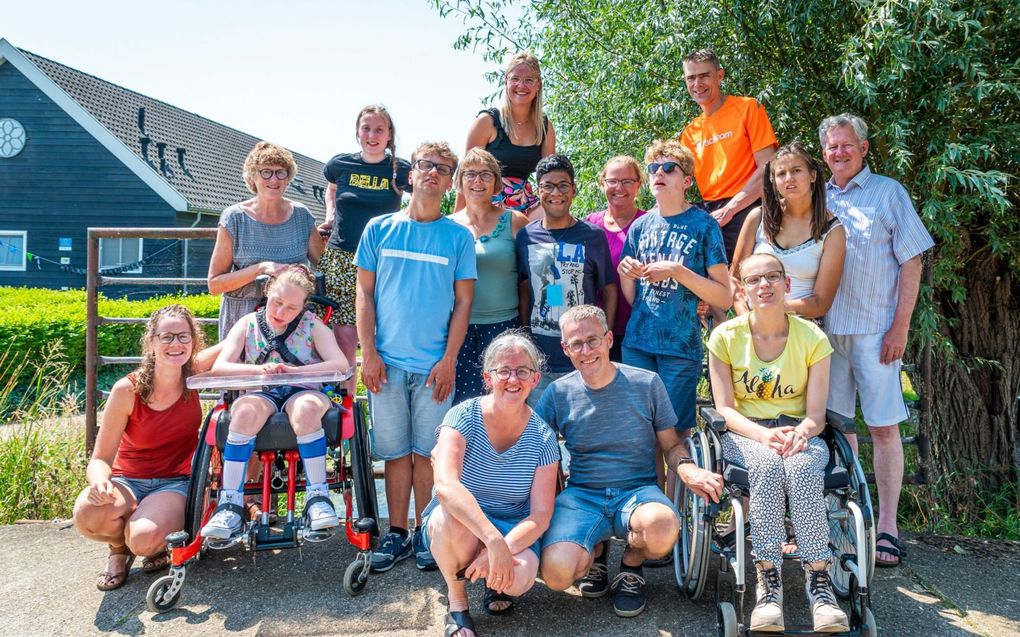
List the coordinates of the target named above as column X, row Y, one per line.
column 611, row 417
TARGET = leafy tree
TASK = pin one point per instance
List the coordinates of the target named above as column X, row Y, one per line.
column 938, row 82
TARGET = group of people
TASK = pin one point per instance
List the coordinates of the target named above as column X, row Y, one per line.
column 487, row 334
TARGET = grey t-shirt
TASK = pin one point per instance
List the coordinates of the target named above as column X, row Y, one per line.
column 609, row 432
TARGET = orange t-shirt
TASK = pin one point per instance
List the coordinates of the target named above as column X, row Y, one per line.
column 724, row 145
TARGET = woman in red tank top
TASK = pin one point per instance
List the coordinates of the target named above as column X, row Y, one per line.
column 138, row 473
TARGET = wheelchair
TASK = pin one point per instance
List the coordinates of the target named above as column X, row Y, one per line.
column 851, row 530
column 349, row 472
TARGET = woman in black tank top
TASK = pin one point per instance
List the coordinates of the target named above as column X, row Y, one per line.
column 518, row 134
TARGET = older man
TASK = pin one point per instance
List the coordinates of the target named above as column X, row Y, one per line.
column 610, row 417
column 870, row 316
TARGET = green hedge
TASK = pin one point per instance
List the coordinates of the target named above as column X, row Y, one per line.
column 32, row 320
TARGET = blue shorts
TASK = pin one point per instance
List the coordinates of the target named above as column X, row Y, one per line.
column 589, row 516
column 144, row 487
column 404, row 415
column 681, row 377
column 279, row 395
column 503, row 525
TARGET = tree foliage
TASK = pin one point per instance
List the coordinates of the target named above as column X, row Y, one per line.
column 939, row 84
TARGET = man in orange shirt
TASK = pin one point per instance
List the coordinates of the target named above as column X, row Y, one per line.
column 731, row 141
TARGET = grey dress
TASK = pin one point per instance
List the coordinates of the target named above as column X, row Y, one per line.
column 253, row 242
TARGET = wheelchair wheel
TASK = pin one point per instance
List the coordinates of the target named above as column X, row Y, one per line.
column 203, row 476
column 842, row 530
column 154, row 597
column 726, row 620
column 355, row 577
column 361, row 464
column 692, row 550
column 872, row 628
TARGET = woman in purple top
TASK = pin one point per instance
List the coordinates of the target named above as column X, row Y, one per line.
column 621, row 179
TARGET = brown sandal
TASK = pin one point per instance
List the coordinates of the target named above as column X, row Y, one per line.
column 107, row 580
column 155, row 563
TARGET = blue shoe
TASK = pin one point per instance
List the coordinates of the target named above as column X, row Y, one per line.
column 392, row 549
column 422, row 556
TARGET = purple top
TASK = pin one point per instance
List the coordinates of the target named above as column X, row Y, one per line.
column 616, row 243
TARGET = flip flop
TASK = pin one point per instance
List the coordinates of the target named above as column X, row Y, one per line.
column 895, row 549
column 492, row 597
column 154, row 563
column 107, row 580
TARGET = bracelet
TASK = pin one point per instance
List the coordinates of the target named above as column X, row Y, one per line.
column 682, row 461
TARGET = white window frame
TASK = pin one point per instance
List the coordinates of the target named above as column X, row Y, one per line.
column 141, row 247
column 24, row 250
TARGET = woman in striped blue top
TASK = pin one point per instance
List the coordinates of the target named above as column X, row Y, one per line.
column 495, row 464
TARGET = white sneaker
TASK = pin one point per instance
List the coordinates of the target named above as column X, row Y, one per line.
column 767, row 615
column 226, row 523
column 828, row 617
column 320, row 512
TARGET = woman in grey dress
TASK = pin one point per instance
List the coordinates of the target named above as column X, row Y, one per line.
column 261, row 235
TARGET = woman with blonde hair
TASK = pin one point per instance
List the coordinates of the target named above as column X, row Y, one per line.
column 518, row 134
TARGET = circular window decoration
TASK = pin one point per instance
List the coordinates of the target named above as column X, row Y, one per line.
column 12, row 137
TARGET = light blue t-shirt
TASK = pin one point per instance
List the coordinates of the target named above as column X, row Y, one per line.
column 664, row 318
column 415, row 264
column 609, row 432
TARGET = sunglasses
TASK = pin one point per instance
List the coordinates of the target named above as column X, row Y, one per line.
column 666, row 166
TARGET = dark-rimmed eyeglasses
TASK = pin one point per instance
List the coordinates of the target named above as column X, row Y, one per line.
column 775, row 276
column 563, row 187
column 593, row 342
column 666, row 166
column 168, row 337
column 269, row 173
column 504, row 373
column 425, row 166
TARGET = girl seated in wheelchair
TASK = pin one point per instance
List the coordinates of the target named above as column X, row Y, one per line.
column 282, row 337
column 770, row 376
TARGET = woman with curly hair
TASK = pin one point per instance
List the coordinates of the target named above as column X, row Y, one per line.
column 138, row 473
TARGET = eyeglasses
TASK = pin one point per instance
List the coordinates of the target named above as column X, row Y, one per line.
column 613, row 183
column 563, row 187
column 526, row 81
column 425, row 165
column 168, row 337
column 666, row 166
column 504, row 373
column 593, row 342
column 279, row 173
column 486, row 176
column 775, row 276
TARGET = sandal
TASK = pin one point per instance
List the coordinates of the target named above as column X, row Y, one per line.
column 456, row 620
column 154, row 563
column 789, row 547
column 895, row 549
column 492, row 597
column 253, row 508
column 111, row 580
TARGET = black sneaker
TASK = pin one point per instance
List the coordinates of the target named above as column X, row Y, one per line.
column 596, row 582
column 422, row 556
column 628, row 593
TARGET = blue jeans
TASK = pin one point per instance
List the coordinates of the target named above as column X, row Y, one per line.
column 588, row 516
column 144, row 487
column 680, row 375
column 404, row 415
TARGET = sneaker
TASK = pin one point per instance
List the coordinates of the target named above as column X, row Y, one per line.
column 392, row 549
column 826, row 614
column 422, row 556
column 319, row 511
column 767, row 615
column 226, row 523
column 628, row 593
column 596, row 582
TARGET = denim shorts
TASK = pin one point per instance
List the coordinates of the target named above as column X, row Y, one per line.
column 504, row 526
column 279, row 395
column 141, row 488
column 681, row 377
column 589, row 516
column 404, row 415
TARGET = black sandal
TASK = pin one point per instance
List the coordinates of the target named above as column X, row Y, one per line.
column 457, row 619
column 895, row 549
column 492, row 597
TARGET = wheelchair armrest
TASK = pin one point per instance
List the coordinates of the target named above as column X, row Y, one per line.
column 839, row 421
column 714, row 419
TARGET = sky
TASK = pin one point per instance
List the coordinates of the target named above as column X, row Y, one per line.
column 296, row 73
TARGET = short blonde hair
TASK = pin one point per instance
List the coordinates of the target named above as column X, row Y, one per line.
column 674, row 150
column 478, row 157
column 267, row 154
column 627, row 160
column 435, row 148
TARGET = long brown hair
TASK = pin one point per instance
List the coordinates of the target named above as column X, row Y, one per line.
column 146, row 373
column 772, row 208
column 379, row 109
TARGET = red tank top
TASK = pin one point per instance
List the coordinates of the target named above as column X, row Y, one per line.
column 159, row 444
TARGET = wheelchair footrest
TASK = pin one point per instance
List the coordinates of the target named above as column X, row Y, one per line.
column 267, row 540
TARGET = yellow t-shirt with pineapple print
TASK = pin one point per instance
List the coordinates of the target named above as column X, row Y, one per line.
column 768, row 389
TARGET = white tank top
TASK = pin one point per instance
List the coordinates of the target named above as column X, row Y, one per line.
column 801, row 262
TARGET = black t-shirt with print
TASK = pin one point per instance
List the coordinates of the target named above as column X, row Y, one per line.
column 363, row 191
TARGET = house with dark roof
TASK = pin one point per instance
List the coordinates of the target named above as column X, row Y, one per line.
column 77, row 151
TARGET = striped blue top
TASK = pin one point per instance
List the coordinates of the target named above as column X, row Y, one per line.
column 883, row 231
column 500, row 482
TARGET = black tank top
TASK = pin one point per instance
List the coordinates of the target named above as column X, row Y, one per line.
column 517, row 161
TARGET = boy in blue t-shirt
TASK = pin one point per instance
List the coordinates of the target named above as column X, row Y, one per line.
column 673, row 257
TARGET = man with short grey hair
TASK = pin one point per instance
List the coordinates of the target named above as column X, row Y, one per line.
column 870, row 315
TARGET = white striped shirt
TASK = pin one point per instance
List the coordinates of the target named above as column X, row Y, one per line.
column 883, row 231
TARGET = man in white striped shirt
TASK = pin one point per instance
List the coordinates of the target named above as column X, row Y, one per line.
column 870, row 315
